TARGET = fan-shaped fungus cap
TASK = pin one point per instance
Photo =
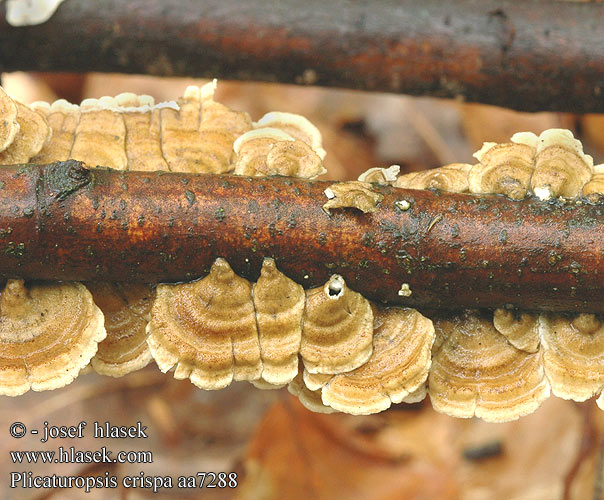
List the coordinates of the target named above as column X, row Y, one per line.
column 315, row 381
column 337, row 330
column 279, row 304
column 100, row 137
column 252, row 148
column 217, row 116
column 383, row 176
column 352, row 194
column 561, row 167
column 8, row 120
column 206, row 329
column 309, row 399
column 594, row 189
column 477, row 372
column 294, row 159
column 399, row 365
column 48, row 333
column 33, row 133
column 143, row 135
column 297, row 126
column 573, row 353
column 452, row 178
column 63, row 119
column 521, row 329
column 127, row 310
column 504, row 168
column 199, row 136
column 417, row 395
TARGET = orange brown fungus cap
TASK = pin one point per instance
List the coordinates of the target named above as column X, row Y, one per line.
column 279, row 304
column 381, row 176
column 143, row 134
column 504, row 169
column 452, row 178
column 269, row 151
column 297, row 126
column 251, row 149
column 9, row 126
column 100, row 137
column 594, row 189
column 338, row 328
column 199, row 136
column 521, row 329
column 63, row 118
column 33, row 133
column 352, row 194
column 477, row 372
column 573, row 352
column 127, row 310
column 48, row 333
column 561, row 167
column 294, row 159
column 207, row 329
column 397, row 368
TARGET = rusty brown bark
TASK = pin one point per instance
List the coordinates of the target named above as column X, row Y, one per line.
column 63, row 221
column 538, row 55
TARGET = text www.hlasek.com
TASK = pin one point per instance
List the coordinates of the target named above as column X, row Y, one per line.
column 71, row 455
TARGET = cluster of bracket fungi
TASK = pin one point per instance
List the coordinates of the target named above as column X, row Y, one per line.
column 329, row 345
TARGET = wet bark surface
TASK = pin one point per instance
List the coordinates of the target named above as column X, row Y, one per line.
column 63, row 221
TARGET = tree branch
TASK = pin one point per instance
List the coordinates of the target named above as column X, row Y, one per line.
column 63, row 221
column 538, row 55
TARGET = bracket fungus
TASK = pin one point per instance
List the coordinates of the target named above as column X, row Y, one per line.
column 561, row 167
column 352, row 194
column 452, row 178
column 33, row 133
column 382, row 176
column 63, row 119
column 573, row 354
column 297, row 126
column 9, row 126
column 337, row 330
column 48, row 333
column 398, row 367
column 356, row 357
column 207, row 330
column 310, row 399
column 504, row 168
column 520, row 329
column 279, row 305
column 199, row 135
column 477, row 372
column 271, row 151
column 315, row 381
column 127, row 309
column 594, row 189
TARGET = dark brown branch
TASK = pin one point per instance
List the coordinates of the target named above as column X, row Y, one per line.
column 538, row 55
column 63, row 221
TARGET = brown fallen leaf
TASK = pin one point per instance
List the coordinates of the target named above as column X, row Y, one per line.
column 297, row 454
